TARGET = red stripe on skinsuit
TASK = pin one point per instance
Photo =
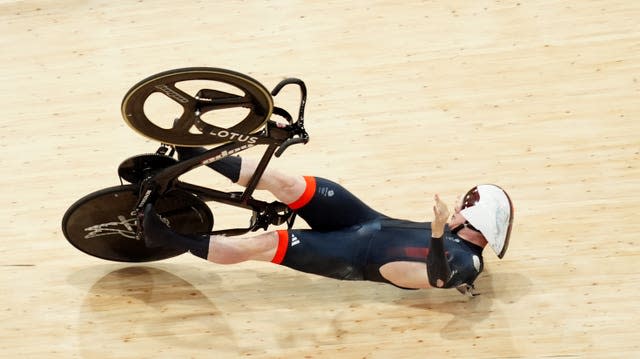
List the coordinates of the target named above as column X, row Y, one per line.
column 306, row 196
column 416, row 252
column 283, row 243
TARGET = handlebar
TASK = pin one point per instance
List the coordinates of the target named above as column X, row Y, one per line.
column 298, row 134
column 289, row 142
column 303, row 94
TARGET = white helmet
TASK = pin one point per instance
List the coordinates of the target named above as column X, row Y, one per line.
column 489, row 210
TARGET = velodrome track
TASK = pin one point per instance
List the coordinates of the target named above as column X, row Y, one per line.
column 405, row 100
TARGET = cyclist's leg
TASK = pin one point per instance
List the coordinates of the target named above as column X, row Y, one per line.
column 218, row 249
column 328, row 206
column 323, row 204
column 231, row 250
column 285, row 188
column 330, row 254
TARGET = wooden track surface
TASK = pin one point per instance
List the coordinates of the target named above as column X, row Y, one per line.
column 405, row 100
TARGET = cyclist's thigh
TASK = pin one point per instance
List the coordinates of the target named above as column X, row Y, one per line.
column 327, row 206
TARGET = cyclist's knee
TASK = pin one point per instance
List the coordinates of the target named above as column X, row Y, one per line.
column 287, row 188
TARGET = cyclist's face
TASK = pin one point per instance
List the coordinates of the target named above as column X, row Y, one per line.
column 456, row 218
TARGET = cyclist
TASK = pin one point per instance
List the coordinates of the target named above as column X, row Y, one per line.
column 349, row 240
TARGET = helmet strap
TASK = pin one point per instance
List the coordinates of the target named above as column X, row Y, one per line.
column 466, row 224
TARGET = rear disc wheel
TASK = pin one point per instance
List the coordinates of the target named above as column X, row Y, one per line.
column 100, row 224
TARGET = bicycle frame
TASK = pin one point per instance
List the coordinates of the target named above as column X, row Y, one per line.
column 276, row 137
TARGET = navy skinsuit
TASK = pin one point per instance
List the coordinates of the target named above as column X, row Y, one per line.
column 349, row 240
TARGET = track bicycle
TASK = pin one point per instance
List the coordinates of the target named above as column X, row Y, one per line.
column 104, row 223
